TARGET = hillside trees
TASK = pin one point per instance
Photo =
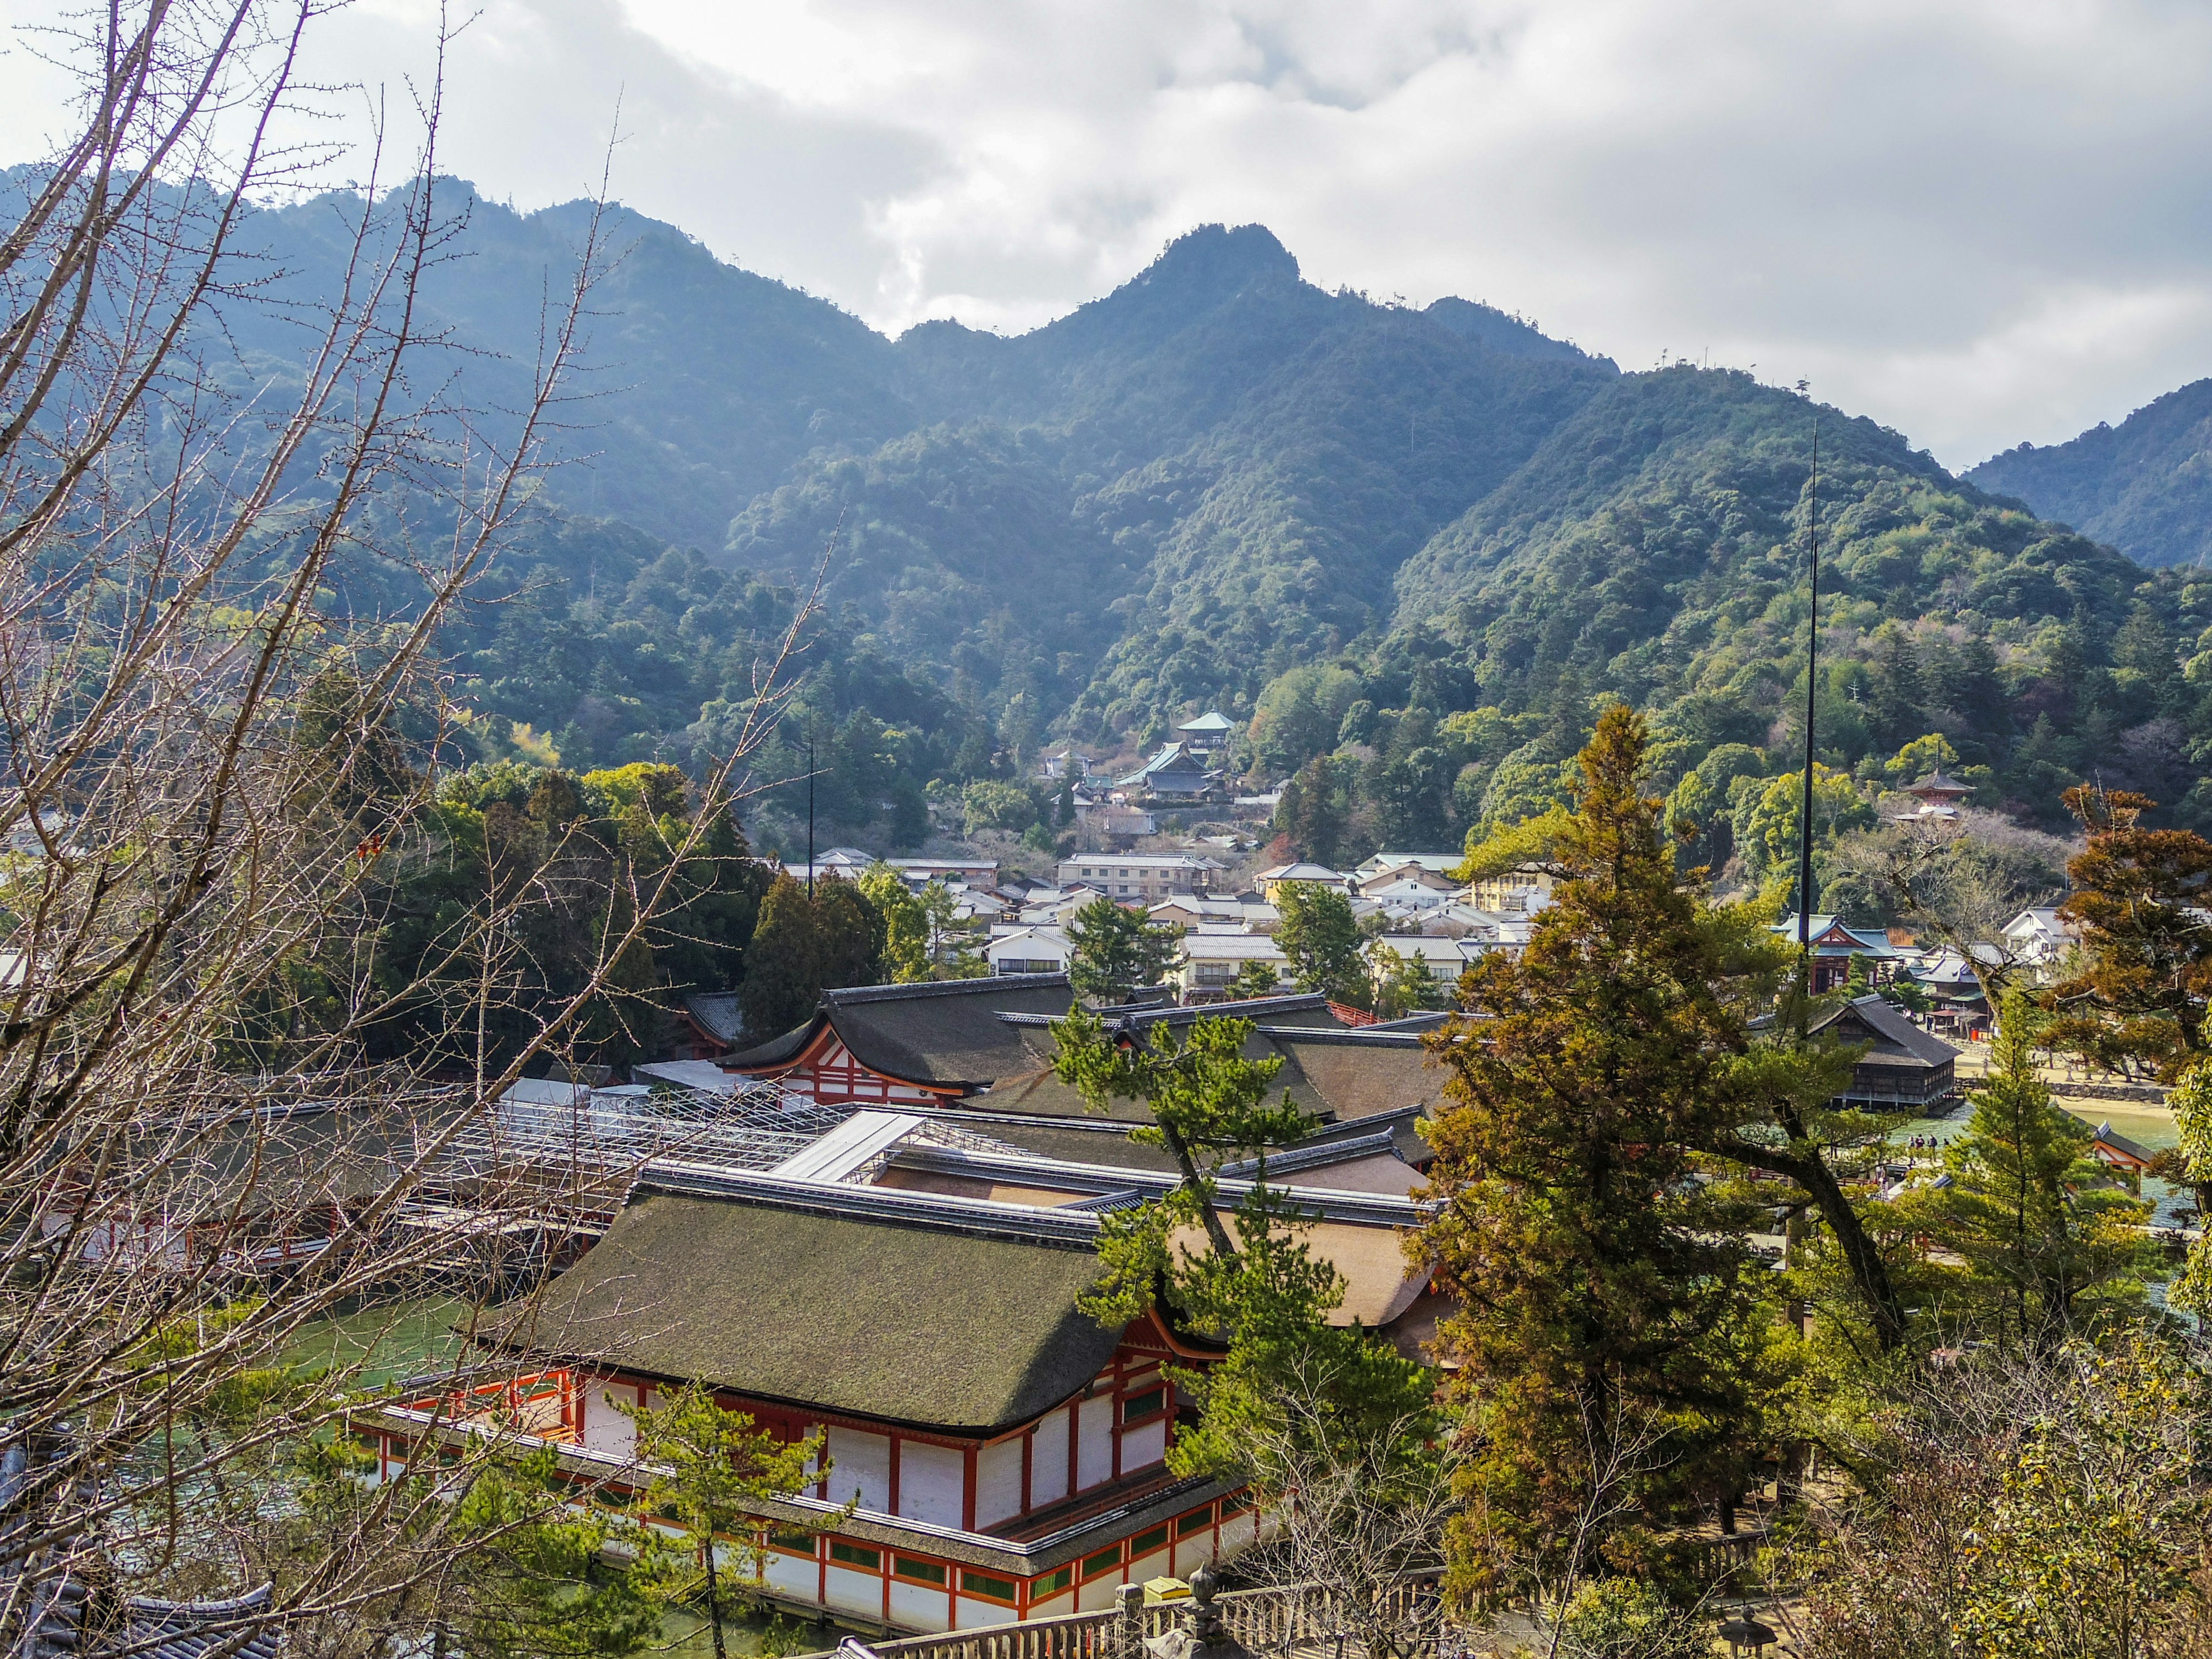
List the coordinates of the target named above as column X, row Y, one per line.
column 804, row 946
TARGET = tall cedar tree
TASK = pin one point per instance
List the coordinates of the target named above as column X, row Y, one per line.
column 2052, row 1244
column 1116, row 951
column 802, row 947
column 1610, row 1297
column 2137, row 1001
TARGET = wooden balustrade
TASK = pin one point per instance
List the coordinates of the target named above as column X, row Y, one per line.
column 1273, row 1620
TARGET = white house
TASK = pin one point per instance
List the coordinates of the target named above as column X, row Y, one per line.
column 1205, row 964
column 2040, row 938
column 1028, row 951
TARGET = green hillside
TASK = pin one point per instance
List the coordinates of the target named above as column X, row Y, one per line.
column 1414, row 548
column 2144, row 486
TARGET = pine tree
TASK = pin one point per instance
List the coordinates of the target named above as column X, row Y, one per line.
column 2053, row 1243
column 1322, row 938
column 1116, row 951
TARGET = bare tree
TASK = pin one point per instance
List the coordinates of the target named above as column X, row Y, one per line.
column 211, row 774
column 1351, row 1519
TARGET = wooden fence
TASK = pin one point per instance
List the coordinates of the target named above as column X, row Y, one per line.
column 1275, row 1620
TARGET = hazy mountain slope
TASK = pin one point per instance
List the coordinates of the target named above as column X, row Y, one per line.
column 2145, row 485
column 702, row 383
column 1656, row 543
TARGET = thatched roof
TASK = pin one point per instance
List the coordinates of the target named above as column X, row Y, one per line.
column 919, row 1311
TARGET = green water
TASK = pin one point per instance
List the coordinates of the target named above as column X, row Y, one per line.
column 388, row 1342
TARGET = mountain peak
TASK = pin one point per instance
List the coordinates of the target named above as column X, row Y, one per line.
column 1218, row 261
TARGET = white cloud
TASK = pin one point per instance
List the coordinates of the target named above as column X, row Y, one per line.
column 1977, row 221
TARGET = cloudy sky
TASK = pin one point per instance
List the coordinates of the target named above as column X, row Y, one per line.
column 1975, row 221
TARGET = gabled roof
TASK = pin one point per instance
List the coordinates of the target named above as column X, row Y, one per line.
column 1935, row 783
column 1211, row 723
column 1831, row 935
column 716, row 1014
column 945, row 1033
column 1896, row 1040
column 1301, row 872
column 945, row 1313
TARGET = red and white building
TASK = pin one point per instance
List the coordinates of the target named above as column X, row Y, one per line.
column 1006, row 1454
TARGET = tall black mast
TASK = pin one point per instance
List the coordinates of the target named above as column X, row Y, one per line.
column 1812, row 695
column 810, row 816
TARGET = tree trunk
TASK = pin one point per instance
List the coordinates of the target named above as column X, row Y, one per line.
column 1216, row 1234
column 715, row 1602
column 1870, row 1272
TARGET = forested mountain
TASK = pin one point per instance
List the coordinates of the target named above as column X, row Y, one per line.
column 2144, row 486
column 1412, row 547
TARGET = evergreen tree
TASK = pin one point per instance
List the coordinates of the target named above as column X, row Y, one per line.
column 2138, row 1002
column 1609, row 1294
column 783, row 963
column 1116, row 951
column 2053, row 1243
column 717, row 1471
column 1322, row 938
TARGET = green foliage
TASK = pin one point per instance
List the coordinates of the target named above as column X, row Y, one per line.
column 2141, row 485
column 2084, row 1546
column 1625, row 1619
column 1116, row 951
column 988, row 804
column 1322, row 940
column 1255, row 979
column 1252, row 1283
column 2139, row 999
column 532, row 1584
column 2053, row 1247
column 802, row 947
column 1609, row 1297
column 715, row 1475
column 1763, row 821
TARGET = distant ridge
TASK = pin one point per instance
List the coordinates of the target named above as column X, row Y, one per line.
column 2145, row 485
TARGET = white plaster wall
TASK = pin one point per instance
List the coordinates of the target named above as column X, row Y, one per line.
column 856, row 1592
column 1190, row 1552
column 1052, row 1605
column 973, row 1612
column 1094, row 1447
column 933, row 1482
column 605, row 1429
column 858, row 1459
column 1235, row 1534
column 1154, row 1566
column 1048, row 1460
column 920, row 1606
column 999, row 1481
column 1098, row 1595
column 1141, row 1447
column 793, row 1575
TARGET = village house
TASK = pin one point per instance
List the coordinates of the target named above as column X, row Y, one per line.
column 1142, row 877
column 1522, row 891
column 1040, row 950
column 2041, row 939
column 1206, row 962
column 1272, row 881
column 1006, row 1452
